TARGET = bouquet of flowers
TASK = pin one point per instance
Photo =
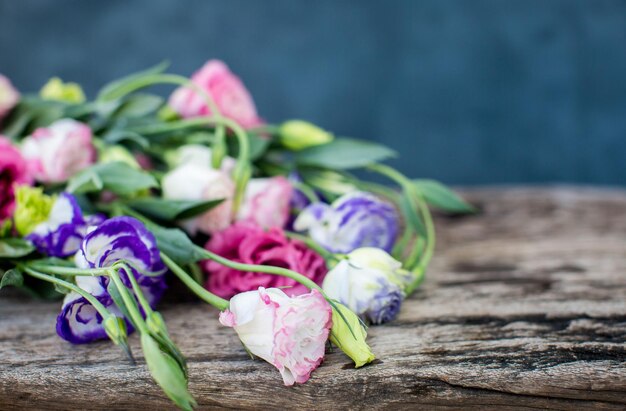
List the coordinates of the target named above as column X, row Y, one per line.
column 104, row 203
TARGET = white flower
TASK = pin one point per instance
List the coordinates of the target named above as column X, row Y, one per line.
column 199, row 155
column 288, row 332
column 57, row 152
column 370, row 282
column 201, row 182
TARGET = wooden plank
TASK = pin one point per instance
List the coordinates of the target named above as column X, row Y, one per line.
column 524, row 307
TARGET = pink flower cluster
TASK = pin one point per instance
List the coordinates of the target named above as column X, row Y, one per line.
column 246, row 242
column 13, row 172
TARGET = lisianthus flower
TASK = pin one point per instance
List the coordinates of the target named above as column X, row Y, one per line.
column 267, row 202
column 297, row 135
column 13, row 172
column 199, row 155
column 288, row 332
column 200, row 182
column 354, row 220
column 9, row 96
column 57, row 152
column 116, row 239
column 370, row 282
column 248, row 243
column 228, row 92
column 61, row 234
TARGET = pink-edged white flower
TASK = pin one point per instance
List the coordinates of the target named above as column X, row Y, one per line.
column 228, row 92
column 267, row 202
column 288, row 332
column 198, row 154
column 200, row 182
column 57, row 152
column 9, row 96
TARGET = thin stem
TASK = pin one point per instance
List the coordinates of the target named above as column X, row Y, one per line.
column 308, row 192
column 267, row 269
column 130, row 304
column 311, row 244
column 73, row 287
column 69, row 271
column 200, row 291
column 420, row 268
column 136, row 289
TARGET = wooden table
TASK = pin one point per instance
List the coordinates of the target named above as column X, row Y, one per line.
column 524, row 307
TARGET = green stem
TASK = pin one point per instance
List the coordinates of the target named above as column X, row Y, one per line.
column 73, row 287
column 267, row 269
column 200, row 291
column 69, row 271
column 312, row 245
column 128, row 301
column 136, row 289
column 420, row 269
column 308, row 192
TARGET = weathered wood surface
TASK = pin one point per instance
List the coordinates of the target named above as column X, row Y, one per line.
column 524, row 307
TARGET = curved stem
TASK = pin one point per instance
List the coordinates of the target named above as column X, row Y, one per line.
column 130, row 304
column 73, row 287
column 207, row 296
column 69, row 271
column 420, row 269
column 136, row 289
column 267, row 269
column 311, row 244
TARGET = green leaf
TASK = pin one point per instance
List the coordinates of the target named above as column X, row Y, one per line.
column 12, row 277
column 139, row 105
column 15, row 248
column 109, row 91
column 175, row 243
column 117, row 177
column 167, row 373
column 440, row 196
column 344, row 153
column 258, row 146
column 116, row 136
column 170, row 210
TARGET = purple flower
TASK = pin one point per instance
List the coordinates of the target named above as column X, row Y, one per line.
column 61, row 234
column 116, row 239
column 354, row 220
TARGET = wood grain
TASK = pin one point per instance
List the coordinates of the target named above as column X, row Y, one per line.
column 524, row 307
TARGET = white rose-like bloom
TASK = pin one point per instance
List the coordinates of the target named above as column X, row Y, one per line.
column 370, row 282
column 59, row 151
column 200, row 155
column 288, row 332
column 201, row 182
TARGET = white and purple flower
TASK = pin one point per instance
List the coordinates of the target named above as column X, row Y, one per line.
column 288, row 332
column 370, row 282
column 116, row 239
column 63, row 231
column 354, row 220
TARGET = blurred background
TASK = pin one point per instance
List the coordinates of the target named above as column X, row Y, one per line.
column 469, row 92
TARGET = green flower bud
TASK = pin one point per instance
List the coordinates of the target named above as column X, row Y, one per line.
column 297, row 135
column 55, row 89
column 115, row 153
column 348, row 333
column 32, row 207
column 115, row 328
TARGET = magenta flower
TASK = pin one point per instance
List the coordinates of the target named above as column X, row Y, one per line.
column 248, row 243
column 57, row 152
column 9, row 96
column 13, row 171
column 288, row 332
column 230, row 95
column 267, row 202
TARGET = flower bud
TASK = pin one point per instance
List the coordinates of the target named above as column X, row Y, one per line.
column 56, row 89
column 115, row 328
column 348, row 333
column 111, row 154
column 32, row 207
column 297, row 135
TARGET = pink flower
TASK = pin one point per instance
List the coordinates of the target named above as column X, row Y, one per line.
column 13, row 171
column 248, row 243
column 288, row 332
column 57, row 152
column 9, row 96
column 230, row 95
column 192, row 181
column 266, row 202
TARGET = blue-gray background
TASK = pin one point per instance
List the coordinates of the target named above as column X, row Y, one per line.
column 468, row 92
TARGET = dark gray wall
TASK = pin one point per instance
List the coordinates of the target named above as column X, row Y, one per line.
column 467, row 91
